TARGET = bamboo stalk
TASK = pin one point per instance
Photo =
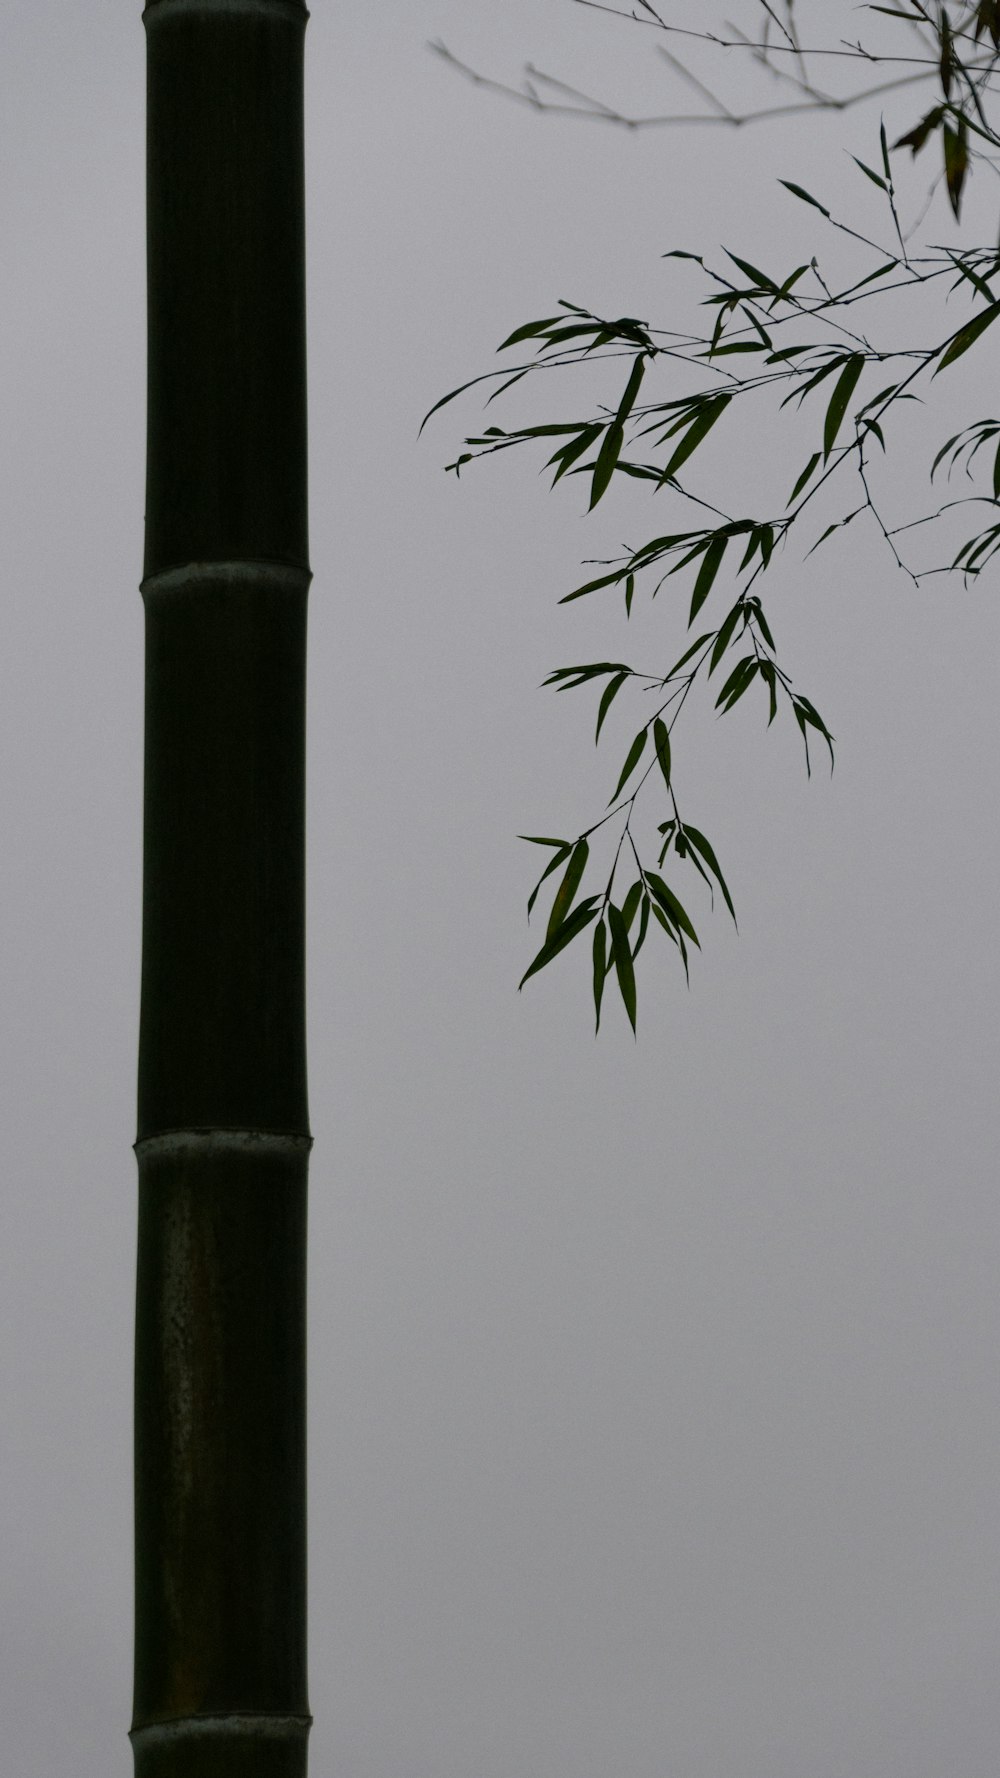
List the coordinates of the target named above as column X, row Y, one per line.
column 223, row 1130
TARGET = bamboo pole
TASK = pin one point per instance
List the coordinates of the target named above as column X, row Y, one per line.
column 223, row 1131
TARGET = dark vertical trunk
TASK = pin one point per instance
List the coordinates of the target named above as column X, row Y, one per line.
column 223, row 1130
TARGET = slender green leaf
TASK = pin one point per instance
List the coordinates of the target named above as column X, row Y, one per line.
column 751, row 549
column 591, row 586
column 555, row 861
column 670, row 905
column 803, row 478
column 732, row 346
column 578, row 920
column 456, row 392
column 807, row 712
column 956, row 161
column 627, row 402
column 568, row 454
column 706, row 575
column 876, row 178
column 798, row 192
column 843, row 390
column 770, row 678
column 610, row 692
column 760, row 279
column 740, row 670
column 535, row 839
column 824, row 535
column 643, row 925
column 699, row 429
column 573, row 676
column 745, row 679
column 725, row 636
column 600, row 969
column 622, row 952
column 968, row 335
column 973, row 277
column 568, row 887
column 763, row 625
column 688, row 652
column 528, row 331
column 631, row 903
column 698, row 839
column 661, row 739
column 634, row 755
column 607, row 457
column 818, row 377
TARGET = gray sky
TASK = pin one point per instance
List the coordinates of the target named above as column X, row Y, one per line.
column 653, row 1387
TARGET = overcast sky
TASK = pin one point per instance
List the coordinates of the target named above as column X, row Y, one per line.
column 653, row 1386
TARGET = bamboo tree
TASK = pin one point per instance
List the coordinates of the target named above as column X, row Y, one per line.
column 223, row 1132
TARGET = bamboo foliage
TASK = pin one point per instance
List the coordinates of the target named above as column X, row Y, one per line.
column 223, row 1131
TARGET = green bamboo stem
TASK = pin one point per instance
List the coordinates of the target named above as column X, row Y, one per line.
column 223, row 1129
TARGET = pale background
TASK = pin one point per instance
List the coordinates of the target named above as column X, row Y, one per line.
column 653, row 1387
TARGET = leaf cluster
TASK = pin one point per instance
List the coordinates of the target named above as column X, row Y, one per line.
column 783, row 336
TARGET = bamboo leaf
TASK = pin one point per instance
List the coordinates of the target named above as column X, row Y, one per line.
column 798, row 192
column 843, row 390
column 578, row 920
column 591, row 586
column 631, row 903
column 803, row 478
column 760, row 279
column 699, row 841
column 956, row 161
column 968, row 335
column 608, row 696
column 456, row 392
column 568, row 887
column 876, row 178
column 706, row 575
column 746, row 678
column 741, row 668
column 818, row 377
column 607, row 457
column 555, row 861
column 528, row 331
column 661, row 739
column 643, row 927
column 600, row 970
column 763, row 626
column 688, row 652
column 807, row 712
column 627, row 402
column 725, row 636
column 569, row 453
column 770, row 679
column 622, row 952
column 699, row 429
column 671, row 906
column 634, row 755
